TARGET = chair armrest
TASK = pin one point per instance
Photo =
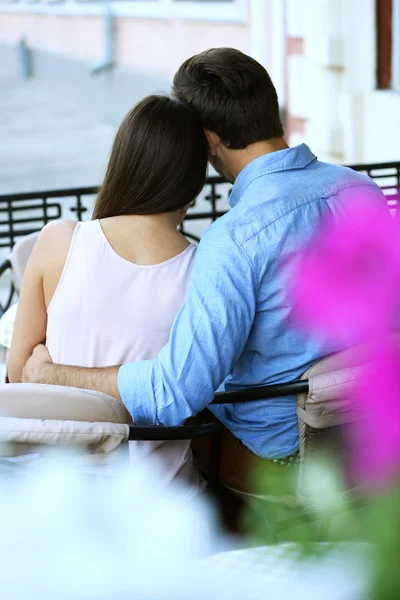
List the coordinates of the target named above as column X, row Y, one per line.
column 187, row 432
column 151, row 433
column 263, row 392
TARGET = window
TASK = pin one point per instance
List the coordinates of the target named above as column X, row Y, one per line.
column 388, row 44
column 396, row 45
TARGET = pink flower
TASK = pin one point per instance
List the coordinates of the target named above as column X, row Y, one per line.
column 346, row 288
column 347, row 281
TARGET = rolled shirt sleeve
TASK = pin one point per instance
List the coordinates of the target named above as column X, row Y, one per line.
column 207, row 337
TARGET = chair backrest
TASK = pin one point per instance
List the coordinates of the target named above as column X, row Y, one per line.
column 330, row 380
column 20, row 255
column 328, row 401
column 328, row 404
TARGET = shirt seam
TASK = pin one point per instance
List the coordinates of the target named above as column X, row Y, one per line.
column 243, row 250
column 324, row 198
column 153, row 395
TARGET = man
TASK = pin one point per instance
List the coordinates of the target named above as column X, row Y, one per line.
column 234, row 329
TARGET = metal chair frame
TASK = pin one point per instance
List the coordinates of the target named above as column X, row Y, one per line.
column 213, row 430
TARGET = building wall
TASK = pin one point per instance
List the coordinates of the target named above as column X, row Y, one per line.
column 65, row 48
column 151, row 46
column 333, row 103
column 156, row 43
column 76, row 37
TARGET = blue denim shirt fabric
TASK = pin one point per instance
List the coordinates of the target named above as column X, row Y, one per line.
column 234, row 328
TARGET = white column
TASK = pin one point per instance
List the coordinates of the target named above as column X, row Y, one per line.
column 259, row 30
column 316, row 78
column 268, row 23
column 279, row 48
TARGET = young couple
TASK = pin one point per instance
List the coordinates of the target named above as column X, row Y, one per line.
column 128, row 289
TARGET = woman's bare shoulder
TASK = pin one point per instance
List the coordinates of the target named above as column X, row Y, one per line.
column 55, row 229
column 54, row 241
column 56, row 235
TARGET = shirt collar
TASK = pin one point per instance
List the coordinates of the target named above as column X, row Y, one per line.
column 297, row 157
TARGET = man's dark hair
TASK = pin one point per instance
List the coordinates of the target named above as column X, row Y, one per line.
column 158, row 162
column 233, row 95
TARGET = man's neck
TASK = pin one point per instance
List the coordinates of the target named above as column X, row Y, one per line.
column 239, row 159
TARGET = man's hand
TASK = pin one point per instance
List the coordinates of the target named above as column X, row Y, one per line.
column 40, row 369
column 34, row 367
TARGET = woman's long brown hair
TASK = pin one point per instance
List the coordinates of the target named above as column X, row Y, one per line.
column 158, row 161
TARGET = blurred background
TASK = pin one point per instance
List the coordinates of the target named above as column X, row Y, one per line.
column 70, row 69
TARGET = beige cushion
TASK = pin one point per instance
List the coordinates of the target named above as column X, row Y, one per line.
column 328, row 401
column 330, row 380
column 36, row 401
column 95, row 437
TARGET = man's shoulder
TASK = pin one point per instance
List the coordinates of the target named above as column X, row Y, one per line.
column 292, row 190
column 336, row 177
column 219, row 232
column 266, row 201
column 223, row 241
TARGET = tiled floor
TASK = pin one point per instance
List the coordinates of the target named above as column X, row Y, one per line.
column 47, row 141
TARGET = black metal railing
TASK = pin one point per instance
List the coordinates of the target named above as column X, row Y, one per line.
column 387, row 176
column 21, row 214
column 215, row 190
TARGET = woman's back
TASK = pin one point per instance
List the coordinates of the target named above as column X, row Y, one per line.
column 107, row 310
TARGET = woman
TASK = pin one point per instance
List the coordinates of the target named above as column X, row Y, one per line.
column 105, row 292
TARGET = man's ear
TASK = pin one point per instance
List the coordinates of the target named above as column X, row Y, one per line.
column 213, row 141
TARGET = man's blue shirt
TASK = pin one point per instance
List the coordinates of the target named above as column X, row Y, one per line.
column 234, row 329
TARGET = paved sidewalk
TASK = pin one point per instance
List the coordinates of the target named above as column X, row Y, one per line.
column 46, row 141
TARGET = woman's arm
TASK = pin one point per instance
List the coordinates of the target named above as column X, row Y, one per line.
column 47, row 260
column 31, row 320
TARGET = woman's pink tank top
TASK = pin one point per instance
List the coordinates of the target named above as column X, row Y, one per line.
column 108, row 311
